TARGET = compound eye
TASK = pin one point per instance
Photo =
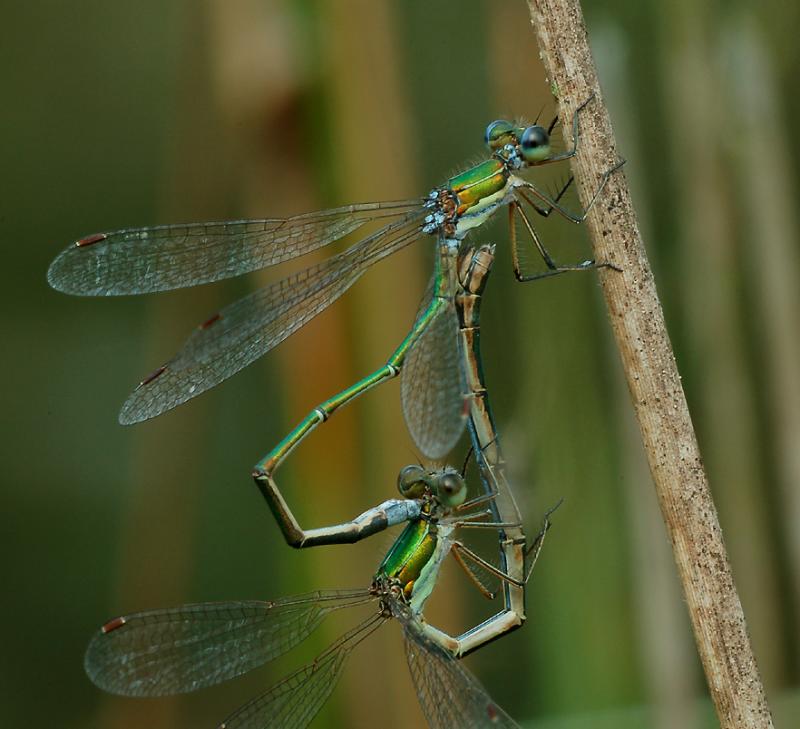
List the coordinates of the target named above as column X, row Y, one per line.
column 535, row 144
column 411, row 481
column 498, row 133
column 452, row 489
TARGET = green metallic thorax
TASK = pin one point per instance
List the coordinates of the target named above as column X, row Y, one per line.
column 473, row 186
column 409, row 554
column 479, row 192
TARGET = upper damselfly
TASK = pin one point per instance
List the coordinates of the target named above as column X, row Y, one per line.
column 145, row 260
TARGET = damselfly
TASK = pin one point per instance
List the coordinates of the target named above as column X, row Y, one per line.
column 144, row 260
column 187, row 648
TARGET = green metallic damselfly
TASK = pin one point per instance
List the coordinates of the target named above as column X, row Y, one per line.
column 183, row 649
column 160, row 258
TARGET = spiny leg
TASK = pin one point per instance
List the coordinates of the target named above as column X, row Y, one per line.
column 570, row 152
column 524, row 193
column 553, row 268
column 489, row 630
column 536, row 546
column 462, row 552
column 553, row 203
column 514, row 207
column 476, row 501
column 545, row 211
column 472, row 575
column 472, row 521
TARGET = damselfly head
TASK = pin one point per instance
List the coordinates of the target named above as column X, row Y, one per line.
column 515, row 143
column 446, row 485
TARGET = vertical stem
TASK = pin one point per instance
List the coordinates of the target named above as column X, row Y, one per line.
column 653, row 380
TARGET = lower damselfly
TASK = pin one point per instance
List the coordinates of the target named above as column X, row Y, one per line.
column 178, row 650
column 160, row 258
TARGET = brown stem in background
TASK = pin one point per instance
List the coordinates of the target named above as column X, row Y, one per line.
column 653, row 380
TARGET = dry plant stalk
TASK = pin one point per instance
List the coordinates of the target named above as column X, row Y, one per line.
column 653, row 380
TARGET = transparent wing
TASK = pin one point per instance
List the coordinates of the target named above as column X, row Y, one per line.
column 295, row 701
column 247, row 329
column 431, row 384
column 451, row 697
column 171, row 651
column 143, row 260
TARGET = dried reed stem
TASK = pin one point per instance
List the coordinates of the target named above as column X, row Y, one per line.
column 653, row 380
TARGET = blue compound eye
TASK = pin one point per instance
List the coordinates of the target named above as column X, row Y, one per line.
column 498, row 133
column 535, row 144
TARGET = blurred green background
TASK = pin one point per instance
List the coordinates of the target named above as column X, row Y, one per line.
column 120, row 114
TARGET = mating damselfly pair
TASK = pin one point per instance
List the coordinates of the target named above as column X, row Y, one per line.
column 440, row 385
